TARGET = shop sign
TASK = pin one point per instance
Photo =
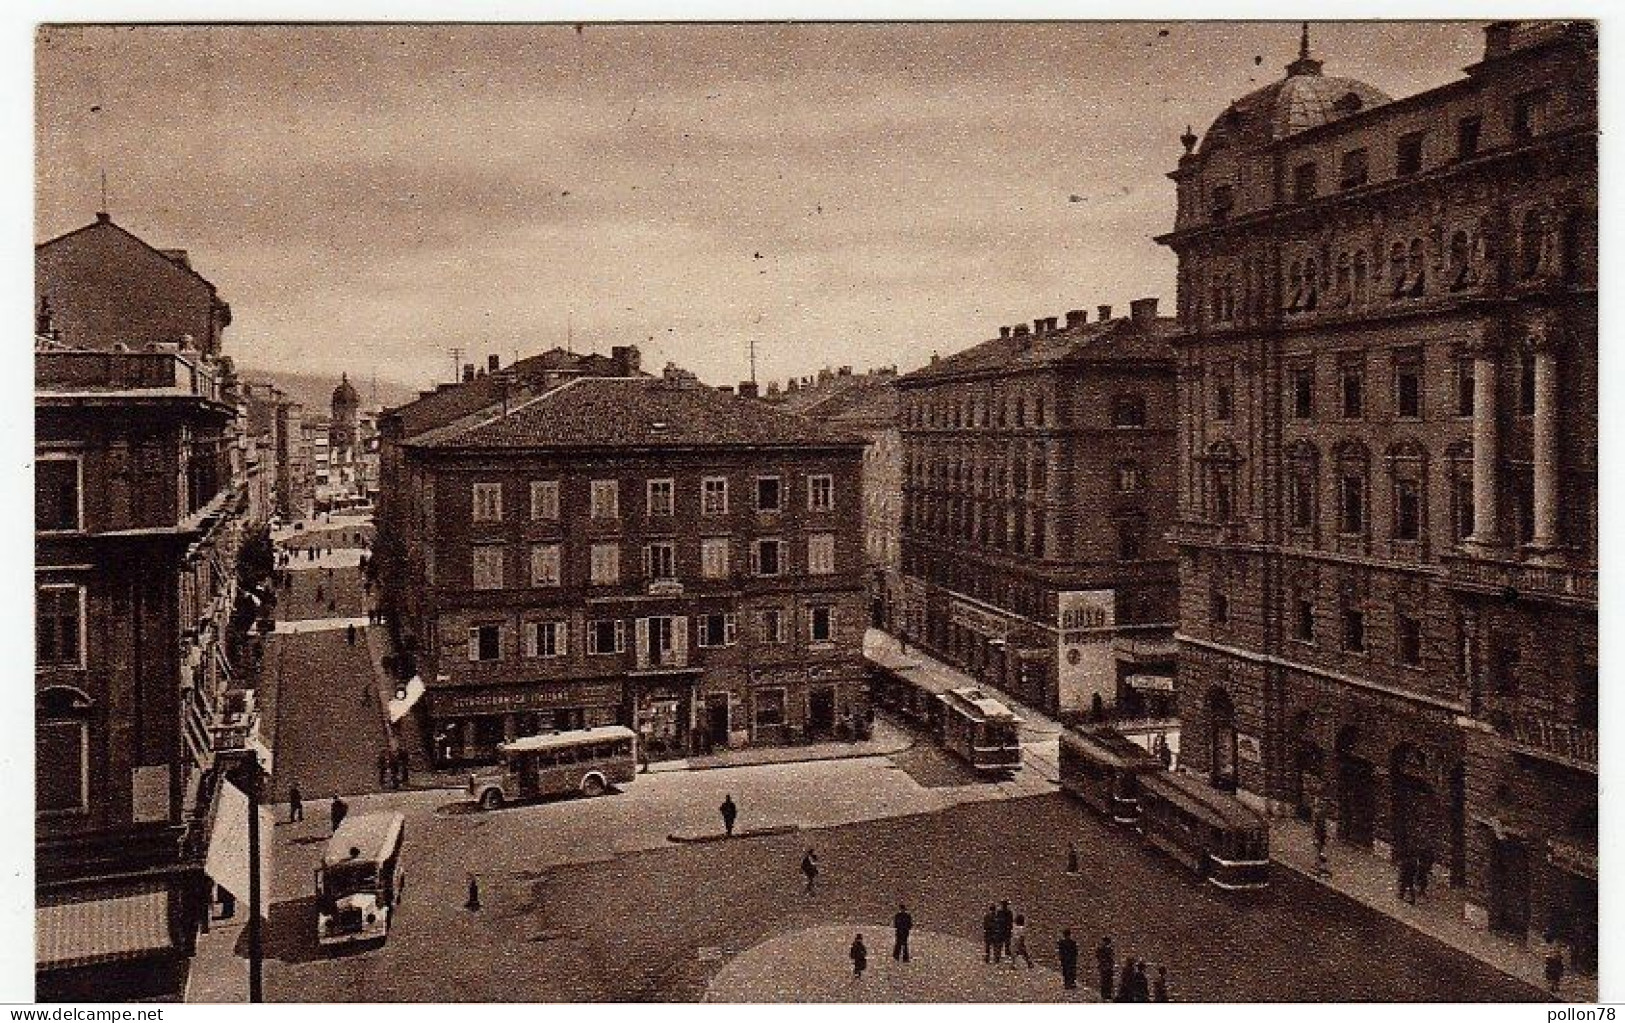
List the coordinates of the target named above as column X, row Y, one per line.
column 1082, row 612
column 1248, row 748
column 665, row 588
column 1151, row 683
column 500, row 701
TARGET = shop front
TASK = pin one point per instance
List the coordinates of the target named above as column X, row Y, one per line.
column 662, row 704
column 468, row 724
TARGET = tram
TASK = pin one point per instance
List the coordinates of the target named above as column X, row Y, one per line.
column 1103, row 768
column 980, row 730
column 1212, row 833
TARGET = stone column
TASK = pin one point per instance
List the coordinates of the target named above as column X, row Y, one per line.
column 1545, row 453
column 1486, row 451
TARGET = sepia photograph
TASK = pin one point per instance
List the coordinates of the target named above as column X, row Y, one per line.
column 901, row 511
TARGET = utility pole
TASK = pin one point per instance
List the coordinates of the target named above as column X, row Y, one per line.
column 753, row 358
column 456, row 365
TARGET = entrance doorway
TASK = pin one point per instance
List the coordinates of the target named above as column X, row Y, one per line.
column 1509, row 887
column 717, row 721
column 1222, row 733
column 821, row 710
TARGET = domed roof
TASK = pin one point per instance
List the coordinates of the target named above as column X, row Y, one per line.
column 1304, row 99
column 344, row 394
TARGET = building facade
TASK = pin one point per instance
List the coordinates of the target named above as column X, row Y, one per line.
column 1387, row 462
column 1037, row 487
column 652, row 552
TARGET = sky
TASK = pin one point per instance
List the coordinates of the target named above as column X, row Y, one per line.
column 368, row 198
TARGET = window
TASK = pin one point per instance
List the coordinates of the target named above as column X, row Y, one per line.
column 821, row 554
column 58, row 625
column 1397, row 264
column 714, row 558
column 1303, row 393
column 1461, row 261
column 1303, row 621
column 1408, row 154
column 660, row 560
column 767, row 557
column 1130, row 535
column 1223, row 201
column 1416, row 266
column 544, row 500
column 1467, row 130
column 546, row 639
column 606, row 564
column 1408, row 389
column 1301, row 497
column 820, row 493
column 1218, row 608
column 1526, row 384
column 1407, row 509
column 1353, row 380
column 1354, row 630
column 485, row 643
column 1355, row 169
column 606, row 499
column 606, row 636
column 1464, row 386
column 62, row 765
column 56, row 494
column 488, row 567
column 768, row 496
column 544, row 564
column 660, row 501
column 772, row 625
column 769, row 708
column 1128, row 410
column 821, row 623
column 1408, row 640
column 1530, row 243
column 1129, row 478
column 1222, row 400
column 487, row 502
column 1351, row 519
column 718, row 630
column 1303, row 182
column 1361, row 273
column 1529, row 114
column 714, row 495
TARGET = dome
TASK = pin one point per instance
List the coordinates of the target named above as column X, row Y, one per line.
column 344, row 394
column 1304, row 99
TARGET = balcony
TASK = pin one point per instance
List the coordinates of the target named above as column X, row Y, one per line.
column 1561, row 584
column 1537, row 736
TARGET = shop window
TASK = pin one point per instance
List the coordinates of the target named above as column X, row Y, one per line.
column 487, row 502
column 59, row 625
column 485, row 643
column 769, row 707
column 768, row 496
column 57, row 488
column 660, row 497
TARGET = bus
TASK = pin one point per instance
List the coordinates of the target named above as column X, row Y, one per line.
column 587, row 761
column 1103, row 767
column 1211, row 832
column 358, row 885
column 981, row 730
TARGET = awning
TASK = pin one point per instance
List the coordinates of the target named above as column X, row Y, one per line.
column 227, row 862
column 405, row 700
column 129, row 925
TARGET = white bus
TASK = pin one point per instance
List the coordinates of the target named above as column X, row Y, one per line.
column 358, row 885
column 588, row 761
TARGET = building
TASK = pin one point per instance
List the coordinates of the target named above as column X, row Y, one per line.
column 142, row 495
column 648, row 551
column 296, row 483
column 1387, row 458
column 867, row 405
column 1037, row 487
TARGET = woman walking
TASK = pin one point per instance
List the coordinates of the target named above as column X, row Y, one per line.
column 1018, row 941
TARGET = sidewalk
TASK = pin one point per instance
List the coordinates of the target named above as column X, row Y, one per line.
column 888, row 739
column 884, row 649
column 1371, row 881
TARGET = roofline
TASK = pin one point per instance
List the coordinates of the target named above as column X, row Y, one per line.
column 213, row 291
column 664, row 449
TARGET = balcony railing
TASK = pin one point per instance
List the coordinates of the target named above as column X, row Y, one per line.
column 1560, row 582
column 1556, row 740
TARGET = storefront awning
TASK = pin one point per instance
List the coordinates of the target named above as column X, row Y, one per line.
column 227, row 862
column 133, row 924
column 406, row 699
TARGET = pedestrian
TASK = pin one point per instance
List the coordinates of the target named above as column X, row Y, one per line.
column 1159, row 987
column 319, row 594
column 809, row 869
column 350, row 633
column 1106, row 960
column 333, row 604
column 1007, row 924
column 1407, row 877
column 1066, row 950
column 1165, row 753
column 296, row 804
column 1071, row 858
column 1554, row 965
column 902, row 644
column 1142, row 987
column 337, row 811
column 902, row 923
column 1018, row 941
column 385, row 776
column 730, row 813
column 473, row 902
column 860, row 957
column 990, row 934
column 1125, row 982
column 1424, row 867
column 403, row 768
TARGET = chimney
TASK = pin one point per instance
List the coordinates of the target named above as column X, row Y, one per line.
column 935, row 358
column 1144, row 312
column 1050, row 323
column 748, row 389
column 493, row 363
column 104, row 217
column 1004, row 332
column 1497, row 40
column 628, row 360
column 1104, row 313
column 844, row 371
column 1038, row 326
column 468, row 372
column 1076, row 318
column 726, row 388
column 1021, row 330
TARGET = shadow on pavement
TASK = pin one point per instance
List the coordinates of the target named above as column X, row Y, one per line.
column 290, row 932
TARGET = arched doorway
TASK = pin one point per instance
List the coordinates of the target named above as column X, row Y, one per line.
column 1412, row 810
column 1221, row 716
column 1356, row 798
column 1306, row 783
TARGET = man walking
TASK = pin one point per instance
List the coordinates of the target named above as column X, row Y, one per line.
column 350, row 633
column 902, row 923
column 1007, row 924
column 1106, row 960
column 1067, row 951
column 730, row 813
column 296, row 805
column 809, row 870
column 337, row 811
column 990, row 934
column 860, row 957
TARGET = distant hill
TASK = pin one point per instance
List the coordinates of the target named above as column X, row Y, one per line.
column 315, row 390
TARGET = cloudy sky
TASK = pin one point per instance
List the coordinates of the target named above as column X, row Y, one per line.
column 368, row 197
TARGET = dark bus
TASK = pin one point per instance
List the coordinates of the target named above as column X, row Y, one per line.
column 1103, row 767
column 1212, row 833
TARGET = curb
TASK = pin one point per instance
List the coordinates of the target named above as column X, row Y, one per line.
column 691, row 838
column 855, row 755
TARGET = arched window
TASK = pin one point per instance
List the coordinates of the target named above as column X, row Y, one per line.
column 1407, row 468
column 1459, row 463
column 1303, row 463
column 1417, row 267
column 1529, row 244
column 1461, row 261
column 1222, row 462
column 1396, row 269
column 1353, row 470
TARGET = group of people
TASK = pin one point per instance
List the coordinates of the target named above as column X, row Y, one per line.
column 1132, row 984
column 1415, row 867
column 1004, row 935
column 393, row 769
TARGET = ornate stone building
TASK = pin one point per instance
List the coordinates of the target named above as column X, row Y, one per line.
column 1037, row 486
column 1387, row 461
